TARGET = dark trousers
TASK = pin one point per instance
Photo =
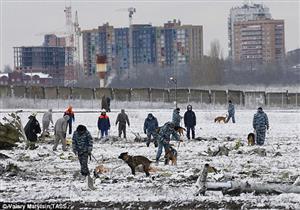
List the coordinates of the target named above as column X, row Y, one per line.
column 70, row 126
column 232, row 117
column 162, row 144
column 189, row 129
column 83, row 160
column 104, row 132
column 154, row 135
column 260, row 136
column 122, row 129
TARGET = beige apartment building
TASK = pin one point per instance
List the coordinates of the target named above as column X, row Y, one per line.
column 258, row 41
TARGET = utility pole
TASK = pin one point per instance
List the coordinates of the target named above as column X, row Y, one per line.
column 174, row 80
column 131, row 11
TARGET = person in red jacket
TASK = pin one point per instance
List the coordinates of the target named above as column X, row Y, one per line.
column 71, row 115
column 103, row 123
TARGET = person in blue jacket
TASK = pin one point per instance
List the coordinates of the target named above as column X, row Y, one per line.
column 150, row 126
column 231, row 112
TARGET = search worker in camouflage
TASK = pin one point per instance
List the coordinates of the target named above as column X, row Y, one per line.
column 260, row 124
column 163, row 138
column 122, row 119
column 47, row 119
column 60, row 130
column 231, row 112
column 150, row 126
column 82, row 144
column 176, row 118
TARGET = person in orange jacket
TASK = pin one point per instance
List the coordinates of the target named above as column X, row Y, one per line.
column 71, row 115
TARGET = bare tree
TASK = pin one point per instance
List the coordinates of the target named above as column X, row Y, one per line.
column 7, row 69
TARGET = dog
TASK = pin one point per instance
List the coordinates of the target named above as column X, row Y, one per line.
column 100, row 170
column 179, row 130
column 171, row 154
column 220, row 119
column 134, row 161
column 251, row 139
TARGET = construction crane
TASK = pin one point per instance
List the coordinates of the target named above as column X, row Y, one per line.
column 131, row 11
column 77, row 33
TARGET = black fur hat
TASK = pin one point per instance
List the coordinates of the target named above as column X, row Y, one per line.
column 81, row 129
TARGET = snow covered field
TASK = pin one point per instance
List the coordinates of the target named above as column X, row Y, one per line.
column 50, row 176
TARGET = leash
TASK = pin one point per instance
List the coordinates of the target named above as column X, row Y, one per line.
column 95, row 158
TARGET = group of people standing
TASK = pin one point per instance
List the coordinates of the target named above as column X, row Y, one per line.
column 104, row 123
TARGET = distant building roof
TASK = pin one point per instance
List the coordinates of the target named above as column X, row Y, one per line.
column 39, row 74
column 3, row 74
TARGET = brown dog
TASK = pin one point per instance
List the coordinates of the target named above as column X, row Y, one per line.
column 171, row 154
column 251, row 139
column 220, row 119
column 179, row 130
column 134, row 161
column 100, row 170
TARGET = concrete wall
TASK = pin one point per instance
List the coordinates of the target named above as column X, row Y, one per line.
column 5, row 91
column 250, row 99
column 276, row 99
column 64, row 93
column 121, row 94
column 199, row 96
column 235, row 96
column 159, row 95
column 219, row 97
column 255, row 99
column 19, row 91
column 140, row 94
column 182, row 95
column 293, row 99
column 83, row 93
column 35, row 92
column 51, row 92
column 100, row 92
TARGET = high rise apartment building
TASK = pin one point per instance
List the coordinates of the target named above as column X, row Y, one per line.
column 259, row 41
column 244, row 13
column 172, row 44
column 255, row 37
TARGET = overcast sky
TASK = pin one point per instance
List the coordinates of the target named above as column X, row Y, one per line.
column 22, row 20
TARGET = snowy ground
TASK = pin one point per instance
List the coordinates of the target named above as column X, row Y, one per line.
column 50, row 176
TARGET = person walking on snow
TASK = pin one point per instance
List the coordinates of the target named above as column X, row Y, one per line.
column 150, row 126
column 103, row 123
column 122, row 119
column 260, row 124
column 190, row 122
column 176, row 118
column 163, row 138
column 60, row 130
column 71, row 115
column 31, row 129
column 104, row 104
column 47, row 118
column 82, row 145
column 231, row 112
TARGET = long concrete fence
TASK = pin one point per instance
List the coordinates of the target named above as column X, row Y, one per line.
column 283, row 99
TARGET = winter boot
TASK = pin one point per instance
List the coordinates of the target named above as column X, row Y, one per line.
column 90, row 182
